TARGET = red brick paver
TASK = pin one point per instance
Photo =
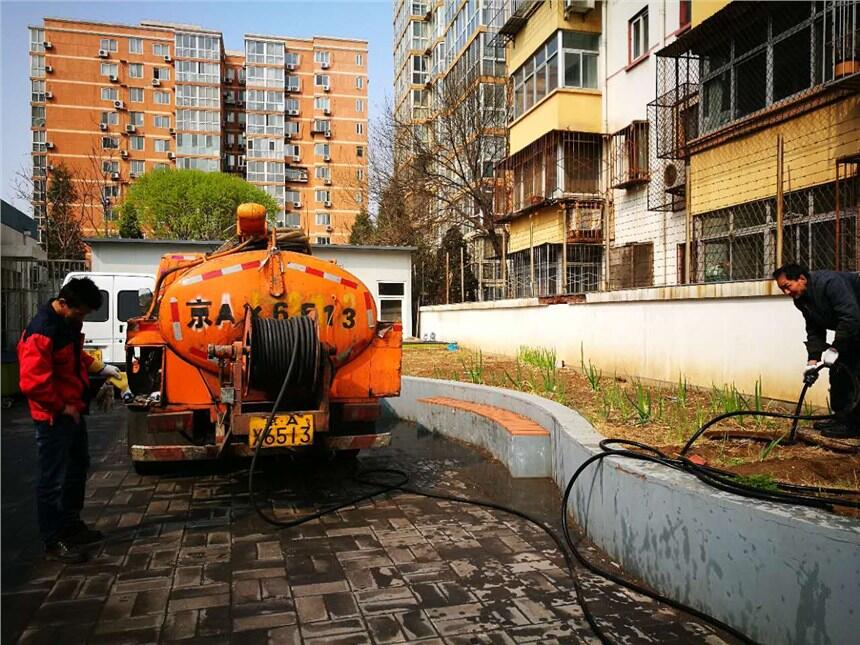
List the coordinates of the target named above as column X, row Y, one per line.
column 515, row 424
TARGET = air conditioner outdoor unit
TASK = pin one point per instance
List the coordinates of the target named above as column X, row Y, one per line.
column 291, row 66
column 124, row 154
column 114, row 176
column 578, row 6
column 329, row 228
column 297, row 204
column 47, row 44
column 297, row 157
column 49, row 69
column 114, row 78
column 327, row 134
column 674, row 180
column 104, row 53
column 119, row 105
column 328, row 204
column 326, row 88
column 132, row 175
column 103, row 126
column 288, row 135
column 325, row 65
column 327, row 181
column 240, row 102
column 50, row 167
column 327, row 111
column 131, row 127
column 171, row 155
column 49, row 145
column 327, row 158
column 172, row 130
column 156, row 82
column 292, row 112
column 167, row 58
column 49, row 95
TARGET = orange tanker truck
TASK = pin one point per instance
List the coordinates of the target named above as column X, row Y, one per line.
column 257, row 332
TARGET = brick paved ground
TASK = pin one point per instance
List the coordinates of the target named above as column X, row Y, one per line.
column 187, row 559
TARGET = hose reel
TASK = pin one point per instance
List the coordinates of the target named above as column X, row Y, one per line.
column 284, row 349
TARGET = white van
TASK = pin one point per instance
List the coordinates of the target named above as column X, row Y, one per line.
column 104, row 329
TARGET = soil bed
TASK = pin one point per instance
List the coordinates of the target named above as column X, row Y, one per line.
column 664, row 417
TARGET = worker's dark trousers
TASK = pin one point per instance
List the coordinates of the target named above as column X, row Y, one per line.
column 64, row 459
column 842, row 394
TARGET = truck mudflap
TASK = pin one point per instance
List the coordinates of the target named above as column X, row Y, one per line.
column 211, row 451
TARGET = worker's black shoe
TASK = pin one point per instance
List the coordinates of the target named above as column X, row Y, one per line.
column 841, row 431
column 78, row 533
column 62, row 551
column 826, row 424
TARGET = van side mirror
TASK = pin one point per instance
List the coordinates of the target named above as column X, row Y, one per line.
column 144, row 299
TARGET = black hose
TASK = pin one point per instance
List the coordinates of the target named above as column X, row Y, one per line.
column 284, row 351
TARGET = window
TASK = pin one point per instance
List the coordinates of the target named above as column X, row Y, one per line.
column 265, row 76
column 323, row 219
column 265, row 100
column 359, row 105
column 135, row 45
column 390, row 310
column 359, row 80
column 293, row 220
column 265, row 123
column 160, row 49
column 161, row 73
column 197, row 71
column 321, row 150
column 322, row 58
column 161, row 98
column 161, row 121
column 321, row 80
column 198, row 144
column 110, row 192
column 138, row 167
column 322, row 196
column 136, row 142
column 359, row 197
column 580, row 59
column 323, row 241
column 295, row 174
column 198, row 46
column 108, row 44
column 264, row 51
column 359, row 174
column 127, row 305
column 292, row 83
column 628, row 156
column 110, row 118
column 197, row 96
column 109, row 69
column 272, row 148
column 359, row 59
column 321, row 125
column 37, row 39
column 359, row 128
column 292, row 106
column 322, row 172
column 292, row 58
column 391, row 289
column 685, row 13
column 109, row 94
column 110, row 166
column 37, row 65
column 39, row 139
column 135, row 118
column 162, row 145
column 322, row 103
column 135, row 94
column 359, row 151
column 198, row 120
column 135, row 70
column 37, row 114
column 637, row 36
column 293, row 196
column 102, row 314
column 160, row 165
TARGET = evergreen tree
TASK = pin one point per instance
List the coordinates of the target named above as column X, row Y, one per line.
column 62, row 226
column 129, row 224
column 363, row 230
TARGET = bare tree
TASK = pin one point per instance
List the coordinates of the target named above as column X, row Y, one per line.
column 95, row 182
column 448, row 163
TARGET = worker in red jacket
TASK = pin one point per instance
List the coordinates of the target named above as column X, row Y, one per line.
column 55, row 379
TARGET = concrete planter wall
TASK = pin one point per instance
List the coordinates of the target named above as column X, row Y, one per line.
column 778, row 573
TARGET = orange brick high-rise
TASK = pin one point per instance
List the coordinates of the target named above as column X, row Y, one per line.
column 113, row 101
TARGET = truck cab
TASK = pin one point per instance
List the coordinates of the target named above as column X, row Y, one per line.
column 105, row 329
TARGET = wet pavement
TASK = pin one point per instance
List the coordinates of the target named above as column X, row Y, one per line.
column 187, row 559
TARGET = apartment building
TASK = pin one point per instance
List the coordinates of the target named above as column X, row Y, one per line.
column 444, row 48
column 112, row 102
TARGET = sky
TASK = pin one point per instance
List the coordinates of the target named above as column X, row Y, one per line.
column 367, row 19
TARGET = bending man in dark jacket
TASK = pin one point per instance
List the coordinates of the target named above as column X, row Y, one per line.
column 830, row 300
column 55, row 379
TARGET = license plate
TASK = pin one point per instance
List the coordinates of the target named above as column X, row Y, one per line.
column 286, row 430
column 95, row 353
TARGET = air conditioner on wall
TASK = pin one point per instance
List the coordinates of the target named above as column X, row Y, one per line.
column 49, row 69
column 578, row 6
column 168, row 59
column 49, row 95
column 114, row 176
column 329, row 228
column 119, row 105
column 114, row 78
column 327, row 111
column 327, row 134
column 325, row 65
column 131, row 128
column 328, row 204
column 674, row 178
column 297, row 204
column 103, row 126
column 327, row 158
column 326, row 88
column 48, row 44
column 124, row 154
column 171, row 155
column 291, row 66
column 327, row 181
column 49, row 145
column 156, row 82
column 104, row 53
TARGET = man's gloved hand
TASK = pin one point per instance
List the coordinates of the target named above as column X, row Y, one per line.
column 110, row 371
column 830, row 356
column 810, row 372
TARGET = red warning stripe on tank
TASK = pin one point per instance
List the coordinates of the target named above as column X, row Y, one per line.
column 368, row 303
column 217, row 273
column 319, row 273
column 174, row 319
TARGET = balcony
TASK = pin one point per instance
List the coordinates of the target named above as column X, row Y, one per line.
column 628, row 156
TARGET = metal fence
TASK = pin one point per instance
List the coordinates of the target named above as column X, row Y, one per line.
column 27, row 283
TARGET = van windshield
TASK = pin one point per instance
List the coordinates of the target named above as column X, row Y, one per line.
column 102, row 313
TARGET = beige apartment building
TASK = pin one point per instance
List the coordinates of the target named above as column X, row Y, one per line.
column 113, row 101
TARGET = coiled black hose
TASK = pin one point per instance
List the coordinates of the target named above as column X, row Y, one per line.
column 284, row 352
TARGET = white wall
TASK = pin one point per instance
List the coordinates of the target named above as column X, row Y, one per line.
column 371, row 265
column 710, row 340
